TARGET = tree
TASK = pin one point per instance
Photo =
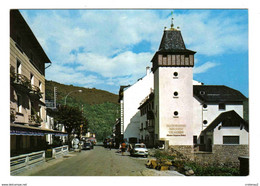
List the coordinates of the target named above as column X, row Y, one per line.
column 72, row 119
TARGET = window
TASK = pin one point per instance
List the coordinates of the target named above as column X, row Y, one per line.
column 175, row 74
column 19, row 103
column 205, row 122
column 176, row 113
column 18, row 67
column 205, row 106
column 221, row 106
column 175, row 94
column 32, row 79
column 195, row 140
column 230, row 140
column 40, row 85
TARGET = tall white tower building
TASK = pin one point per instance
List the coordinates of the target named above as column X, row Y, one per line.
column 173, row 90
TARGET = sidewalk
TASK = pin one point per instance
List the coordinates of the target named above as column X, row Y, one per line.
column 49, row 162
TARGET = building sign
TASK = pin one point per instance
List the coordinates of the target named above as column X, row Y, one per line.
column 176, row 130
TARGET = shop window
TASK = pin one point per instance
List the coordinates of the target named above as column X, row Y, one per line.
column 231, row 140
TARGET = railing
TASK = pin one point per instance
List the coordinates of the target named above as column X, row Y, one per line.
column 34, row 119
column 25, row 161
column 60, row 151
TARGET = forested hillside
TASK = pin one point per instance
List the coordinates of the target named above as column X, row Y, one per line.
column 100, row 107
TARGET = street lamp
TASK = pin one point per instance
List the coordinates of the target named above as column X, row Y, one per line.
column 70, row 93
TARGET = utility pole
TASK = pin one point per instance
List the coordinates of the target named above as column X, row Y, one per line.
column 55, row 96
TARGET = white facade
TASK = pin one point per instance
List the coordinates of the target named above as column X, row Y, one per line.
column 133, row 96
column 204, row 116
column 174, row 114
column 230, row 131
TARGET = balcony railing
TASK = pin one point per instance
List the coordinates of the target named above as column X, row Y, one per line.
column 34, row 119
column 36, row 91
column 24, row 83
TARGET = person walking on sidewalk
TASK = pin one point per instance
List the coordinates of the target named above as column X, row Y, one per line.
column 123, row 147
column 110, row 144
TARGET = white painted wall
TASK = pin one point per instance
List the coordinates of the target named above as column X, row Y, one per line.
column 167, row 84
column 230, row 131
column 133, row 96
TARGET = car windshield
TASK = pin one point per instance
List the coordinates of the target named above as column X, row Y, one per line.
column 140, row 146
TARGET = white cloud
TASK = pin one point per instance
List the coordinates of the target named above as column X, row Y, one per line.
column 204, row 67
column 100, row 41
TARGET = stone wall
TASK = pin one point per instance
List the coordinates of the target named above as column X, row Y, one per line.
column 220, row 155
column 185, row 150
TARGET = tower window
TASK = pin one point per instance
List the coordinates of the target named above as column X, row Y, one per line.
column 221, row 106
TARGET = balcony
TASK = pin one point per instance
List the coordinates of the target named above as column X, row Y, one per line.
column 35, row 92
column 22, row 83
column 150, row 129
column 34, row 120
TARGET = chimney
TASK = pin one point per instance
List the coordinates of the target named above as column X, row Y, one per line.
column 147, row 70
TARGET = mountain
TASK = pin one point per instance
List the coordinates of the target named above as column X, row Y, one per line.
column 100, row 107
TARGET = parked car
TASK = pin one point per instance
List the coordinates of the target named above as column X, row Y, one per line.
column 87, row 145
column 138, row 149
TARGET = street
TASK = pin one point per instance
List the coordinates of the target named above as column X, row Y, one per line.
column 98, row 162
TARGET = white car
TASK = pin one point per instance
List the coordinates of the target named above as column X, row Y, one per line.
column 138, row 149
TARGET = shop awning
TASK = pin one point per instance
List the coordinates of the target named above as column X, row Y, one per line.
column 16, row 129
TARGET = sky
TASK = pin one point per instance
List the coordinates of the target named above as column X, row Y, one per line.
column 106, row 48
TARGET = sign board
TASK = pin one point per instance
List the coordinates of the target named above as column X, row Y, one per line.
column 176, row 130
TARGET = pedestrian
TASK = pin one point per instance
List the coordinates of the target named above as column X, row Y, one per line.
column 123, row 147
column 110, row 144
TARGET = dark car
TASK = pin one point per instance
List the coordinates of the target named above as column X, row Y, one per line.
column 87, row 145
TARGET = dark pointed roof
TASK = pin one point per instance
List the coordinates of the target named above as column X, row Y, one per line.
column 217, row 93
column 172, row 43
column 172, row 40
column 228, row 119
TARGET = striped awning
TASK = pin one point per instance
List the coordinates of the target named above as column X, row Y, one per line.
column 16, row 129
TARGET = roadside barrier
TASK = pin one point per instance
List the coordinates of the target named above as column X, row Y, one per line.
column 60, row 151
column 25, row 161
